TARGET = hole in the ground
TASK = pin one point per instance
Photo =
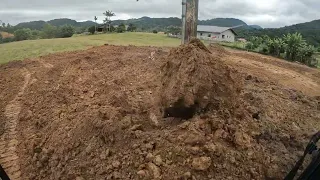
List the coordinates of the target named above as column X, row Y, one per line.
column 179, row 110
column 256, row 115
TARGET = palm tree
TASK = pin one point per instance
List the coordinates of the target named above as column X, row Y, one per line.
column 95, row 20
column 107, row 20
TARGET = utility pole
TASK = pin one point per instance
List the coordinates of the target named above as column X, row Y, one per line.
column 189, row 20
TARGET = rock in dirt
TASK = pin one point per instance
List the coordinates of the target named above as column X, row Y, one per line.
column 154, row 119
column 187, row 175
column 201, row 163
column 155, row 170
column 158, row 160
column 116, row 164
column 194, row 139
column 242, row 139
column 136, row 127
column 142, row 173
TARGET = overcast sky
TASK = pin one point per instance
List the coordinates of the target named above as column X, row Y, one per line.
column 266, row 13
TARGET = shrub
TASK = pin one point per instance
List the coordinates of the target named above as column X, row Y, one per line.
column 66, row 31
column 92, row 29
column 249, row 46
column 155, row 31
column 7, row 40
column 121, row 28
column 22, row 34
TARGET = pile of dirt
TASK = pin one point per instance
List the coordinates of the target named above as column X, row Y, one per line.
column 95, row 114
column 218, row 50
column 195, row 81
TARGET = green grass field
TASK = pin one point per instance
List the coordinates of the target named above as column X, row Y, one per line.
column 35, row 48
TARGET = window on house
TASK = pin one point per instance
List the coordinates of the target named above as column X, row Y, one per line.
column 209, row 35
column 201, row 34
column 223, row 36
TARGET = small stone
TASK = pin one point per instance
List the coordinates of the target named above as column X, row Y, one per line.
column 149, row 157
column 126, row 122
column 141, row 173
column 88, row 149
column 154, row 119
column 220, row 134
column 184, row 125
column 39, row 165
column 136, row 127
column 44, row 159
column 158, row 160
column 210, row 147
column 91, row 94
column 149, row 146
column 155, row 170
column 195, row 150
column 79, row 178
column 116, row 175
column 187, row 175
column 201, row 163
column 116, row 164
column 194, row 139
column 242, row 139
column 103, row 156
column 108, row 152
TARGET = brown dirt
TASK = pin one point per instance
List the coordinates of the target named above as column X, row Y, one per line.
column 6, row 35
column 192, row 78
column 96, row 114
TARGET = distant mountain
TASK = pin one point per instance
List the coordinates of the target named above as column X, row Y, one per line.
column 224, row 22
column 147, row 23
column 38, row 25
column 309, row 30
column 255, row 26
column 31, row 25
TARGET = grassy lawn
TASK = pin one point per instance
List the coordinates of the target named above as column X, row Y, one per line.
column 34, row 48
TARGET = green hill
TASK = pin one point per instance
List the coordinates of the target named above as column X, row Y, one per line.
column 224, row 22
column 309, row 30
column 38, row 25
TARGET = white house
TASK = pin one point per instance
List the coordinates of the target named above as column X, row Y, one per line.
column 216, row 33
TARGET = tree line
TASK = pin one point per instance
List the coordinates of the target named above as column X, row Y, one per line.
column 48, row 32
column 291, row 47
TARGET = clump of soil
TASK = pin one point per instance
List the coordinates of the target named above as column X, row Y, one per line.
column 194, row 81
column 218, row 50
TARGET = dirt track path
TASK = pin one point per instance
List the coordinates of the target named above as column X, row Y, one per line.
column 291, row 75
column 9, row 158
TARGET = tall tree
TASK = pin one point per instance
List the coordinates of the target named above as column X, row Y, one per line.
column 3, row 24
column 131, row 27
column 107, row 21
column 95, row 26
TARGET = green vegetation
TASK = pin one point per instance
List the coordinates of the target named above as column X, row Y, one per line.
column 131, row 28
column 309, row 30
column 35, row 48
column 291, row 47
column 92, row 29
column 121, row 28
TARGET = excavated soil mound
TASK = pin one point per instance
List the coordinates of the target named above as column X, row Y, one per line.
column 196, row 81
column 94, row 114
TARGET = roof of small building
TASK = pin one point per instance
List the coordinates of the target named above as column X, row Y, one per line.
column 214, row 29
